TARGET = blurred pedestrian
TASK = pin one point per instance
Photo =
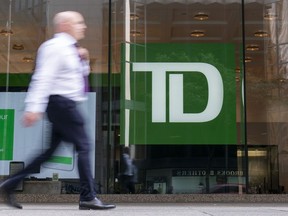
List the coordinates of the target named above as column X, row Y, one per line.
column 58, row 86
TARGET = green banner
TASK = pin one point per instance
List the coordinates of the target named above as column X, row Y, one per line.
column 61, row 160
column 6, row 134
column 178, row 94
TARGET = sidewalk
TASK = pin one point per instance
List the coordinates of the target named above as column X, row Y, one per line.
column 150, row 209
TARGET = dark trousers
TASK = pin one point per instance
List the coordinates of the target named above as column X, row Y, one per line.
column 67, row 125
column 128, row 184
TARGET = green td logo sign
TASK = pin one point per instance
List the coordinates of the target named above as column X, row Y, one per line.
column 176, row 83
column 178, row 94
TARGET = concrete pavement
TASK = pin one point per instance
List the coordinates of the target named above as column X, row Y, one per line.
column 152, row 209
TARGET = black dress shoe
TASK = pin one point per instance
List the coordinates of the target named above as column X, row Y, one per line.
column 9, row 197
column 11, row 201
column 94, row 204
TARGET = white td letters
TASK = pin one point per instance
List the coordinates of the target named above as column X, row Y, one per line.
column 176, row 103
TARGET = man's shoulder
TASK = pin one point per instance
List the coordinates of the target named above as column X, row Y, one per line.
column 53, row 45
column 53, row 42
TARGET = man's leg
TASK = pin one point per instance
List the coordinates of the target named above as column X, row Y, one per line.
column 69, row 122
column 11, row 183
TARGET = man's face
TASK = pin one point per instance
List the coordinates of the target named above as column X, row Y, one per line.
column 77, row 27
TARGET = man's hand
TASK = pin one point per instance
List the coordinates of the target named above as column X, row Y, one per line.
column 30, row 118
column 83, row 53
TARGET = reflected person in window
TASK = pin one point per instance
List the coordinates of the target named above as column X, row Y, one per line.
column 57, row 88
column 129, row 174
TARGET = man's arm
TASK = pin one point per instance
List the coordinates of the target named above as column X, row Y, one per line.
column 40, row 85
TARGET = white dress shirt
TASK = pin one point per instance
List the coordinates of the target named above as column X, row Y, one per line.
column 59, row 71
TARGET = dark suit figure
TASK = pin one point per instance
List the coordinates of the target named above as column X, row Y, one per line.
column 129, row 172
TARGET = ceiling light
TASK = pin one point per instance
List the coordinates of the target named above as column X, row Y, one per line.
column 270, row 16
column 197, row 33
column 261, row 33
column 248, row 59
column 134, row 33
column 6, row 32
column 28, row 59
column 134, row 17
column 18, row 47
column 201, row 16
column 252, row 47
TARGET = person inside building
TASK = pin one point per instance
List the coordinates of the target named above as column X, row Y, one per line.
column 129, row 173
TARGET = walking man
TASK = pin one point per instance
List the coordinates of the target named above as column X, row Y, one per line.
column 57, row 87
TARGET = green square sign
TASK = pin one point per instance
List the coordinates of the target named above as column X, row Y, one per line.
column 178, row 94
column 6, row 134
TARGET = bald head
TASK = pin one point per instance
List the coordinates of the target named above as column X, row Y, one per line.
column 70, row 22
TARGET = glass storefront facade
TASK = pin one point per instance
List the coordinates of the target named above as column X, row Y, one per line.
column 195, row 88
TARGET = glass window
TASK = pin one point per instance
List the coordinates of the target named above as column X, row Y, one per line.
column 181, row 112
column 266, row 39
column 194, row 100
